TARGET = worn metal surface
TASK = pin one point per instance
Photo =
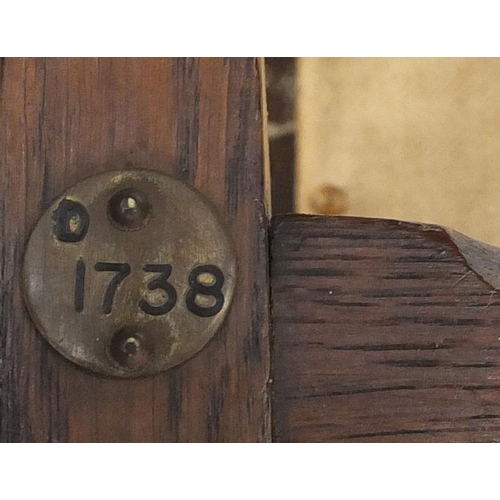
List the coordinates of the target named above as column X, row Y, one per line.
column 129, row 273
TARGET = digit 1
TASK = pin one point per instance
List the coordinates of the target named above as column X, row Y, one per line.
column 80, row 285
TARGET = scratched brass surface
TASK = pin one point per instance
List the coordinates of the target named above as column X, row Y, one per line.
column 178, row 228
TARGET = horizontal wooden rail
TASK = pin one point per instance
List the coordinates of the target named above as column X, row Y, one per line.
column 383, row 331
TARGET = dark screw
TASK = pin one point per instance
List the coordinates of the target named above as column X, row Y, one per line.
column 130, row 349
column 129, row 209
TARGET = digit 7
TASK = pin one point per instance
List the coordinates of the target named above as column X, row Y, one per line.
column 122, row 271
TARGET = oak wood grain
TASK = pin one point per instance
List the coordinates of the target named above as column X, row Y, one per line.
column 383, row 331
column 62, row 120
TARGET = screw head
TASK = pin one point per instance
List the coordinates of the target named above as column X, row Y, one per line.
column 130, row 349
column 129, row 210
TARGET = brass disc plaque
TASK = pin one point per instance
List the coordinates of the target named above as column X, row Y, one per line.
column 129, row 273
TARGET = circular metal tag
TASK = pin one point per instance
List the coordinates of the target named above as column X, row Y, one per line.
column 129, row 273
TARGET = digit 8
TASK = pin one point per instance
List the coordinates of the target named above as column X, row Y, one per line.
column 209, row 290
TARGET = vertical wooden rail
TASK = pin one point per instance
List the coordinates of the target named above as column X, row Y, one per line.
column 62, row 120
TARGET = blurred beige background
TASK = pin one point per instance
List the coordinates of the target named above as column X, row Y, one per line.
column 411, row 139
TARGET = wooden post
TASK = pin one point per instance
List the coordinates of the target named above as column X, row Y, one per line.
column 62, row 120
